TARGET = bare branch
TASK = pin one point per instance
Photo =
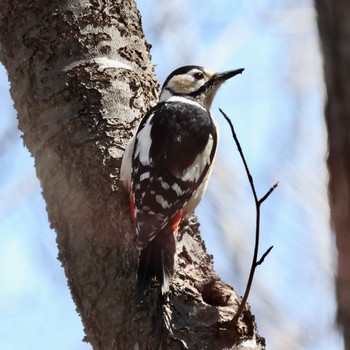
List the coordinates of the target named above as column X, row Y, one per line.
column 251, row 182
column 255, row 261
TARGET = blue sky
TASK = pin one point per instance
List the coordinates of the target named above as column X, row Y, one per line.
column 277, row 109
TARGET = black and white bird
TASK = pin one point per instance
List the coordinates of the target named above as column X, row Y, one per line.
column 167, row 164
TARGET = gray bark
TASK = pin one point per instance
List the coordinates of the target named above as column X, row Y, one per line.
column 76, row 114
column 334, row 27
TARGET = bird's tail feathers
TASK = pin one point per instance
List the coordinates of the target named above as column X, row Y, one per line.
column 157, row 260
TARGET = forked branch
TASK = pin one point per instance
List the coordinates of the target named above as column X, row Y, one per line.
column 258, row 202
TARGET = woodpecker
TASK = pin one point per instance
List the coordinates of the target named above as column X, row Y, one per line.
column 167, row 164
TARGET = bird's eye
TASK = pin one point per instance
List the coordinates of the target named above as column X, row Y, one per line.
column 198, row 75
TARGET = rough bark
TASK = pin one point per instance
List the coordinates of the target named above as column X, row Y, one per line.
column 76, row 112
column 334, row 28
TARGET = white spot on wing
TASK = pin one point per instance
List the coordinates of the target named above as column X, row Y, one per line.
column 177, row 189
column 164, row 184
column 160, row 199
column 144, row 176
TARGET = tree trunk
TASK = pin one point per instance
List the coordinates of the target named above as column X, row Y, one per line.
column 333, row 22
column 81, row 78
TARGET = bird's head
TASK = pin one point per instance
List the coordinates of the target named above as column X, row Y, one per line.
column 196, row 83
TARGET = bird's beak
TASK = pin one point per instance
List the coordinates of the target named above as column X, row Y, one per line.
column 221, row 77
column 209, row 89
column 218, row 78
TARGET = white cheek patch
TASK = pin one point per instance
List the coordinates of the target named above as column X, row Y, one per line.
column 195, row 170
column 182, row 84
column 144, row 142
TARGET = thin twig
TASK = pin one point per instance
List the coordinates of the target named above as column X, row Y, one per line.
column 255, row 261
column 261, row 260
column 268, row 193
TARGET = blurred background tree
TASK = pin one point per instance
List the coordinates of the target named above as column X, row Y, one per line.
column 335, row 38
column 277, row 110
